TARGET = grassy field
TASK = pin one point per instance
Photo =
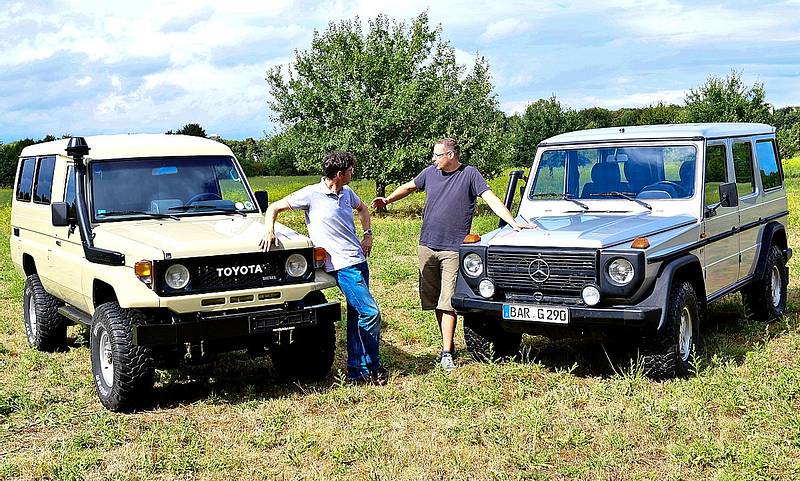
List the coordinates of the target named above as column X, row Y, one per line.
column 569, row 410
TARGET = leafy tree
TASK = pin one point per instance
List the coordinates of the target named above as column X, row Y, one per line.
column 9, row 157
column 541, row 119
column 726, row 100
column 386, row 95
column 594, row 118
column 789, row 141
column 190, row 129
column 659, row 114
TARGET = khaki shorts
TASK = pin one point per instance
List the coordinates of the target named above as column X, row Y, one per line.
column 437, row 278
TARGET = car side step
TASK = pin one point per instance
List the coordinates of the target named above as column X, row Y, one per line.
column 75, row 315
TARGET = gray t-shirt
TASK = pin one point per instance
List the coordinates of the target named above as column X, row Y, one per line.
column 449, row 205
column 329, row 217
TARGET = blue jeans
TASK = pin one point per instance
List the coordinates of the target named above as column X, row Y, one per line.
column 363, row 321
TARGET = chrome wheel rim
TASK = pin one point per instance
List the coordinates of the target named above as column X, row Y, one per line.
column 32, row 321
column 685, row 340
column 106, row 359
column 775, row 284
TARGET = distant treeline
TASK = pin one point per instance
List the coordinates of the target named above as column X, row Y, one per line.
column 541, row 119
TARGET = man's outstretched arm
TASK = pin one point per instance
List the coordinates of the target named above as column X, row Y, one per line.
column 399, row 193
column 500, row 209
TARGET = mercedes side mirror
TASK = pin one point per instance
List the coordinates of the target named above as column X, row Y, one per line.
column 728, row 197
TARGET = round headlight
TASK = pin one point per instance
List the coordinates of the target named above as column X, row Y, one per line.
column 473, row 265
column 590, row 295
column 486, row 288
column 620, row 271
column 296, row 265
column 177, row 276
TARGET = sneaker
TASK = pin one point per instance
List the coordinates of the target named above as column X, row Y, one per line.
column 380, row 376
column 446, row 361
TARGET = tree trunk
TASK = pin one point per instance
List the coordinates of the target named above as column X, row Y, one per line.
column 380, row 191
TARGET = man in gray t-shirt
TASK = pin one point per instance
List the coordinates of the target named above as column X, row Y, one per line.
column 328, row 207
column 451, row 189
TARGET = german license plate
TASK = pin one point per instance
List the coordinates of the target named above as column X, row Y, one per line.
column 535, row 313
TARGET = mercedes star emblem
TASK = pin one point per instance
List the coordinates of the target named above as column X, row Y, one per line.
column 539, row 270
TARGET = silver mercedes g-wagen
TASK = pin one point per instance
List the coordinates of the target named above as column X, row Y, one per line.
column 639, row 229
column 153, row 242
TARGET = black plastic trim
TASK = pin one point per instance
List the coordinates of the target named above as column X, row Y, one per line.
column 731, row 288
column 703, row 242
column 631, row 316
column 232, row 324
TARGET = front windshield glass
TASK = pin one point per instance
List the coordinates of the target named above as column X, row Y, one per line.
column 167, row 187
column 665, row 172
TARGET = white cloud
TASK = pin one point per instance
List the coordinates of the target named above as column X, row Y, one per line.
column 639, row 99
column 674, row 22
column 514, row 106
column 153, row 66
column 504, row 28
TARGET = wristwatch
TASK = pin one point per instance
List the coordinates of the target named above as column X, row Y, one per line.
column 368, row 232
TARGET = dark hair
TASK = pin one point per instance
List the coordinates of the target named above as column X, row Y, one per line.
column 337, row 161
column 450, row 144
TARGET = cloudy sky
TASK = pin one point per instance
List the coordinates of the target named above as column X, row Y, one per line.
column 88, row 67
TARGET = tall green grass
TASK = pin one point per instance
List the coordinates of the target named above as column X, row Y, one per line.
column 569, row 410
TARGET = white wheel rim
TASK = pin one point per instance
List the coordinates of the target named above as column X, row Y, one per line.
column 685, row 344
column 106, row 359
column 32, row 316
column 775, row 284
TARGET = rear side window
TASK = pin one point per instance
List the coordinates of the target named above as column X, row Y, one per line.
column 768, row 164
column 43, row 188
column 743, row 167
column 716, row 172
column 25, row 185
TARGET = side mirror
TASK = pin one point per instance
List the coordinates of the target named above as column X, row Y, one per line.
column 728, row 195
column 60, row 214
column 262, row 199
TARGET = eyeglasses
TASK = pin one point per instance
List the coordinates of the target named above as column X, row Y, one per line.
column 439, row 155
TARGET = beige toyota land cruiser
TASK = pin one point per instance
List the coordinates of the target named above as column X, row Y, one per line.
column 153, row 242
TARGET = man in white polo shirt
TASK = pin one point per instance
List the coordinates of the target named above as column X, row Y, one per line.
column 328, row 208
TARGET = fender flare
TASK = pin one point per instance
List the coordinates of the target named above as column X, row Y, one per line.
column 659, row 296
column 772, row 232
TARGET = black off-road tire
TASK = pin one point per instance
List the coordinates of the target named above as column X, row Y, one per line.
column 758, row 296
column 132, row 367
column 662, row 356
column 310, row 354
column 45, row 328
column 487, row 341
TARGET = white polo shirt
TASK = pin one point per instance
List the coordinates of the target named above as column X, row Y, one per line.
column 329, row 217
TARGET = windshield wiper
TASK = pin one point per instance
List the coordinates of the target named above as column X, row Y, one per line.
column 188, row 207
column 154, row 215
column 624, row 196
column 562, row 197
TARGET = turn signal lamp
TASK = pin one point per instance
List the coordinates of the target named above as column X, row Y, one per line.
column 472, row 238
column 144, row 271
column 319, row 257
column 640, row 243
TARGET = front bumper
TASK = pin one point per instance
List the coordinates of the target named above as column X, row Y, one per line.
column 226, row 325
column 635, row 317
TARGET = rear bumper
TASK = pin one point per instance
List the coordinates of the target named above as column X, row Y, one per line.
column 226, row 325
column 634, row 317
